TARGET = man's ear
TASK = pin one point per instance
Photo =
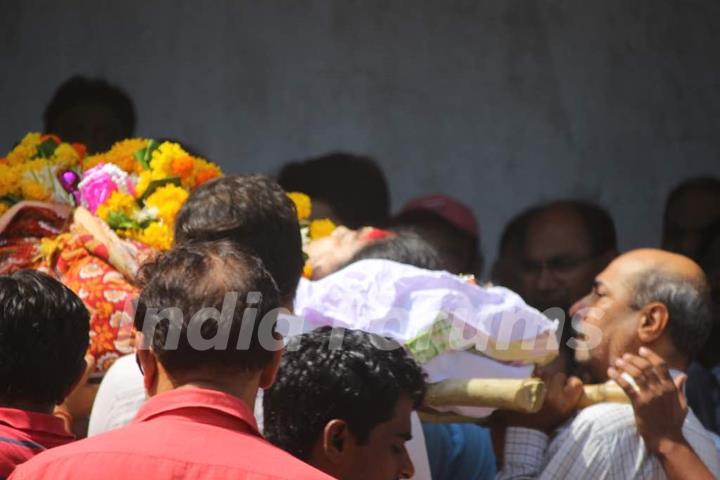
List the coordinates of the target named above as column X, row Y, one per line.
column 654, row 319
column 88, row 365
column 149, row 365
column 336, row 441
column 268, row 374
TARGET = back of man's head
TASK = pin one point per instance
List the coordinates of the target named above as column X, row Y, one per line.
column 43, row 339
column 90, row 111
column 208, row 306
column 328, row 374
column 254, row 212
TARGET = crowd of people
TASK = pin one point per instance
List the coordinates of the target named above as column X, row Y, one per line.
column 264, row 407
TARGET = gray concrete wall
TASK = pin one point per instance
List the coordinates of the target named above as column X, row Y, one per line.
column 502, row 103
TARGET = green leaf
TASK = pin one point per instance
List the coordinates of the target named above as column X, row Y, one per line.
column 155, row 184
column 120, row 221
column 46, row 149
column 145, row 155
column 10, row 199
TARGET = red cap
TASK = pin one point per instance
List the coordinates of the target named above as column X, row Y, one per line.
column 456, row 213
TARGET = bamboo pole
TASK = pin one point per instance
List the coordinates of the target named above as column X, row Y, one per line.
column 603, row 392
column 526, row 395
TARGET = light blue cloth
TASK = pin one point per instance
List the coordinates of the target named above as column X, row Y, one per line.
column 459, row 451
column 716, row 439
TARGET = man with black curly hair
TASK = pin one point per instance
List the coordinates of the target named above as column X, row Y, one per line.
column 342, row 402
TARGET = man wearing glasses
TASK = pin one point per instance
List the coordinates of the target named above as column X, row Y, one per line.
column 566, row 244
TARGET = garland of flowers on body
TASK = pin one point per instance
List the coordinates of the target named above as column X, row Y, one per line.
column 33, row 170
column 309, row 229
column 137, row 187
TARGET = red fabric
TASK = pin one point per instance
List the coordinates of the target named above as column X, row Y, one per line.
column 448, row 208
column 188, row 433
column 82, row 264
column 24, row 434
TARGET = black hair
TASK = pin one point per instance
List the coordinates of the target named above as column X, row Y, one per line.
column 403, row 247
column 180, row 289
column 319, row 381
column 353, row 185
column 507, row 266
column 465, row 247
column 254, row 212
column 687, row 301
column 82, row 90
column 711, row 184
column 513, row 235
column 44, row 334
column 708, row 258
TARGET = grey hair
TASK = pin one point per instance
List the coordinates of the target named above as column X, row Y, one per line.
column 688, row 304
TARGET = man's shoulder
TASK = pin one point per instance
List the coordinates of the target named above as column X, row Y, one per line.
column 606, row 415
column 138, row 447
column 605, row 419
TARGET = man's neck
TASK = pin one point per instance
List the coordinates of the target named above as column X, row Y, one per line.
column 243, row 386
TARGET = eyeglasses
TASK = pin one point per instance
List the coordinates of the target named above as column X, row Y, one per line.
column 558, row 265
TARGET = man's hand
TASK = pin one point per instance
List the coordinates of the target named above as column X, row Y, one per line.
column 660, row 410
column 658, row 400
column 560, row 403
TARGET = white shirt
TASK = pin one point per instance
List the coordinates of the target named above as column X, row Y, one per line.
column 601, row 442
column 119, row 397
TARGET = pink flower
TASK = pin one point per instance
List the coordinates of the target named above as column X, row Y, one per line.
column 100, row 182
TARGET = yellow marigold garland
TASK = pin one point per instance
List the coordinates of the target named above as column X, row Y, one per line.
column 167, row 200
column 157, row 181
column 30, row 169
column 321, row 228
column 303, row 205
column 163, row 176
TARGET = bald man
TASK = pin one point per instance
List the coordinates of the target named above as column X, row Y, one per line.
column 649, row 298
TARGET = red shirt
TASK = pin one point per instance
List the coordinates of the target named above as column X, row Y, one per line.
column 191, row 433
column 24, row 434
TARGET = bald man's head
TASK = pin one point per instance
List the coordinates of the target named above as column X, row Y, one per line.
column 647, row 298
column 678, row 283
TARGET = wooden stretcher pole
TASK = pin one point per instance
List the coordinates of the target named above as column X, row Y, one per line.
column 526, row 395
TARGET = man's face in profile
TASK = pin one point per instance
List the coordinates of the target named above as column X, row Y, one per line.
column 608, row 323
column 383, row 456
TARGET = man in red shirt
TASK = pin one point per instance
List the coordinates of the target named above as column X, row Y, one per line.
column 43, row 339
column 207, row 316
